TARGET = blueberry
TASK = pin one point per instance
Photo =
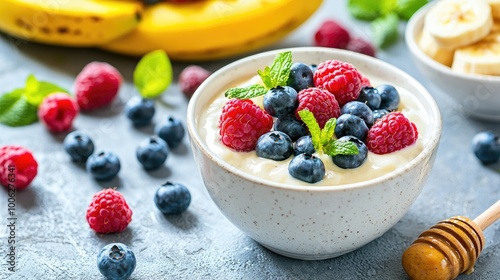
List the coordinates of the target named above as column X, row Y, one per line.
column 280, row 101
column 291, row 126
column 389, row 97
column 351, row 161
column 307, row 168
column 171, row 131
column 348, row 124
column 486, row 147
column 152, row 152
column 379, row 113
column 79, row 146
column 359, row 109
column 304, row 145
column 301, row 76
column 371, row 97
column 140, row 110
column 172, row 198
column 116, row 261
column 275, row 145
column 103, row 166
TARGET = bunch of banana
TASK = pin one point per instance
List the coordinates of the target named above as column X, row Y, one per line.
column 79, row 23
column 464, row 35
column 194, row 30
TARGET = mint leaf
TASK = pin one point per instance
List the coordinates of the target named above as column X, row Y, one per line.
column 328, row 131
column 406, row 8
column 266, row 78
column 336, row 147
column 35, row 91
column 308, row 118
column 365, row 9
column 279, row 71
column 153, row 74
column 385, row 30
column 15, row 110
column 388, row 7
column 272, row 76
column 246, row 92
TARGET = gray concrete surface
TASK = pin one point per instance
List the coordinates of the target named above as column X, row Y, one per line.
column 54, row 241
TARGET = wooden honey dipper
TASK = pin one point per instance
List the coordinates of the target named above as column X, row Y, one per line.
column 449, row 248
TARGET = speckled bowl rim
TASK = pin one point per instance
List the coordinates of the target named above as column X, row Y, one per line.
column 427, row 152
column 413, row 29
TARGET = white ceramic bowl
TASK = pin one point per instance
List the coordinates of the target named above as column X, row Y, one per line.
column 311, row 222
column 477, row 95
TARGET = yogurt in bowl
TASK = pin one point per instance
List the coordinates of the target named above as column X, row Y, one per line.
column 342, row 212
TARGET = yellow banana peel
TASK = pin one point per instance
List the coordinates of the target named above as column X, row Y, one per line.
column 194, row 31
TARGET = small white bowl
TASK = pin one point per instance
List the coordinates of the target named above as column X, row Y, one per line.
column 477, row 96
column 311, row 222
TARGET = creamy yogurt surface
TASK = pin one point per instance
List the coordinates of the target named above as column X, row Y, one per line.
column 374, row 166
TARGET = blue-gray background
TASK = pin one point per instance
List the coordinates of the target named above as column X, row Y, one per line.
column 55, row 242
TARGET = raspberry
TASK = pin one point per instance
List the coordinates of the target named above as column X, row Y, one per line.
column 332, row 35
column 242, row 123
column 320, row 102
column 340, row 78
column 391, row 133
column 18, row 167
column 108, row 212
column 97, row 85
column 360, row 45
column 191, row 78
column 365, row 82
column 57, row 112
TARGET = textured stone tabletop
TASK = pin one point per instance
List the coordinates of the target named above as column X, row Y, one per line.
column 54, row 240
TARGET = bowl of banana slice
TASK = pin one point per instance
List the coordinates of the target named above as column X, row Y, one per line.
column 456, row 45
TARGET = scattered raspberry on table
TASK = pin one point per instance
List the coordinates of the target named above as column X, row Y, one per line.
column 97, row 85
column 108, row 212
column 191, row 78
column 19, row 161
column 58, row 111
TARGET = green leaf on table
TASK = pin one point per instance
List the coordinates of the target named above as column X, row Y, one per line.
column 246, row 92
column 385, row 30
column 15, row 110
column 153, row 74
column 365, row 9
column 406, row 8
column 35, row 91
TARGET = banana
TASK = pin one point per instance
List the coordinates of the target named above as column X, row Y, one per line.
column 213, row 29
column 78, row 23
column 495, row 8
column 431, row 48
column 457, row 23
column 482, row 57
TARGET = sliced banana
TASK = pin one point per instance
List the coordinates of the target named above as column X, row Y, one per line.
column 495, row 8
column 431, row 48
column 457, row 23
column 482, row 57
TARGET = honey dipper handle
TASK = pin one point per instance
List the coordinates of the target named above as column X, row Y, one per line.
column 489, row 216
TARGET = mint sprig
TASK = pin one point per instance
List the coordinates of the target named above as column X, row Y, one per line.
column 19, row 107
column 272, row 76
column 384, row 16
column 323, row 140
column 153, row 74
